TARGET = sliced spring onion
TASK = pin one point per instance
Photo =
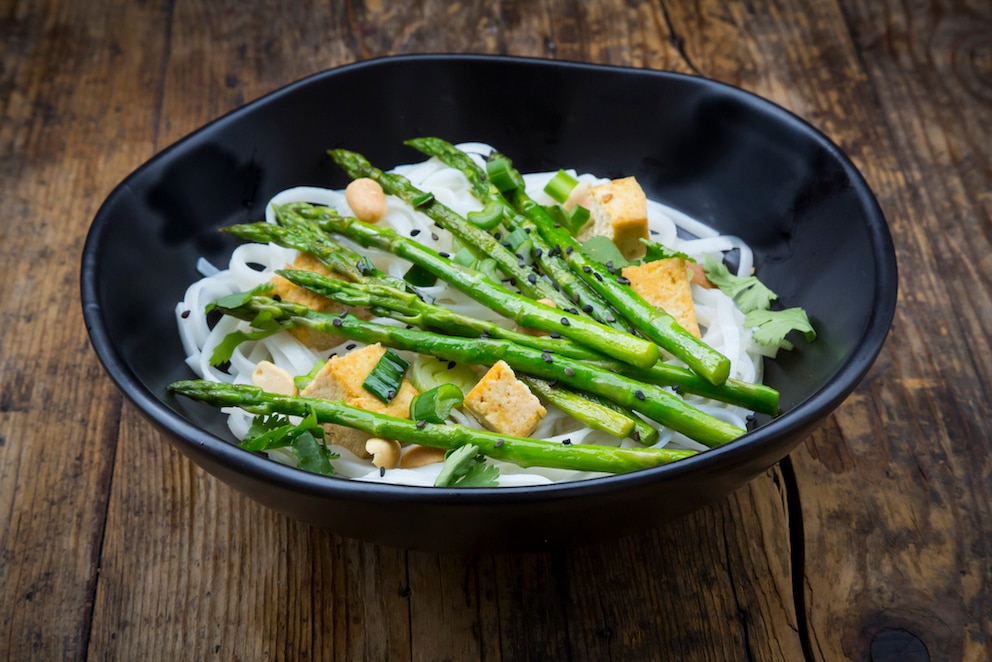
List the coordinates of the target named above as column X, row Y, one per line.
column 488, row 217
column 428, row 372
column 435, row 405
column 422, row 199
column 464, row 257
column 387, row 375
column 302, row 381
column 502, row 175
column 419, row 277
column 560, row 186
column 516, row 239
column 577, row 219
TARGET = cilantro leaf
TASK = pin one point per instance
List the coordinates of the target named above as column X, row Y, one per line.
column 603, row 250
column 238, row 299
column 656, row 250
column 747, row 291
column 312, row 455
column 464, row 467
column 306, row 440
column 225, row 348
column 772, row 326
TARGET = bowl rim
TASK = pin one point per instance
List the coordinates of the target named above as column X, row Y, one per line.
column 805, row 414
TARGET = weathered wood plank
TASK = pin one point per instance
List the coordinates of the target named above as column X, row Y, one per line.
column 61, row 146
column 894, row 546
column 893, row 536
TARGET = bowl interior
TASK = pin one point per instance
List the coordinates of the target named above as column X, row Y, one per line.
column 739, row 163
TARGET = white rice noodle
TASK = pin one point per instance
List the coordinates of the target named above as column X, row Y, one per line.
column 253, row 264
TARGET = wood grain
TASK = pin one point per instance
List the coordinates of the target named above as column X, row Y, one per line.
column 114, row 546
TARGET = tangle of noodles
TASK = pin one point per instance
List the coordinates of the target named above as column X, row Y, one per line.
column 252, row 264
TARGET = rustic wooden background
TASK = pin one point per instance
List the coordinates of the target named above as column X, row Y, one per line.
column 870, row 542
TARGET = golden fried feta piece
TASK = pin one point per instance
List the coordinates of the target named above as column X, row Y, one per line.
column 618, row 211
column 504, row 404
column 341, row 378
column 665, row 284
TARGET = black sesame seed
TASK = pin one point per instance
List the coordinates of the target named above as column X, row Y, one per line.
column 611, row 319
column 497, row 236
column 421, row 424
column 498, row 443
column 443, row 254
column 586, row 268
column 276, row 297
column 391, row 394
column 564, row 321
column 569, row 250
column 636, row 435
column 553, row 383
column 574, row 311
column 532, row 278
column 546, row 357
column 414, row 232
column 639, row 394
column 434, row 236
column 587, row 308
column 350, row 346
column 555, row 334
column 382, row 471
column 623, row 280
column 598, row 277
column 569, row 372
column 538, row 253
column 185, row 314
column 451, row 364
column 337, row 321
column 566, row 441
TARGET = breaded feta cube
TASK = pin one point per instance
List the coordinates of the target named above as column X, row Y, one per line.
column 618, row 211
column 665, row 284
column 341, row 378
column 287, row 291
column 504, row 404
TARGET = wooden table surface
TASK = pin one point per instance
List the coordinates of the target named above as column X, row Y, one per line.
column 870, row 542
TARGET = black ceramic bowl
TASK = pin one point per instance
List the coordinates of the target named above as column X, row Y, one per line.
column 722, row 155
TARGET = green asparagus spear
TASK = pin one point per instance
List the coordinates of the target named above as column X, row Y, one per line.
column 649, row 320
column 520, row 451
column 592, row 413
column 481, row 242
column 547, row 257
column 524, row 311
column 410, row 310
column 654, row 402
